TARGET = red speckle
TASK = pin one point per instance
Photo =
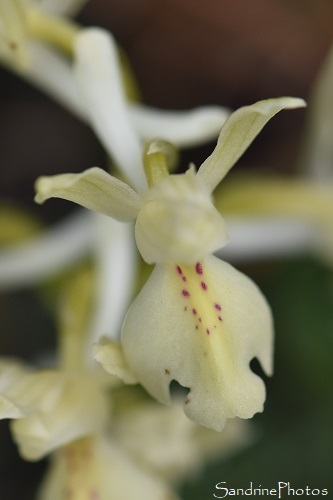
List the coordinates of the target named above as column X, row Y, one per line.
column 184, row 278
column 200, row 320
column 194, row 311
column 196, row 327
column 179, row 270
column 185, row 293
column 203, row 285
column 185, row 308
column 198, row 268
column 220, row 319
column 218, row 307
column 207, row 331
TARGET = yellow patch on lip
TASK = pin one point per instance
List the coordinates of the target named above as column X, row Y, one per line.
column 206, row 313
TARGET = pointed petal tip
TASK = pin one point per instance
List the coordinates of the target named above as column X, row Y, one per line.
column 267, row 106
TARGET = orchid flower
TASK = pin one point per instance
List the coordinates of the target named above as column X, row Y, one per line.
column 22, row 20
column 98, row 468
column 94, row 86
column 269, row 216
column 164, row 439
column 53, row 407
column 66, row 411
column 197, row 320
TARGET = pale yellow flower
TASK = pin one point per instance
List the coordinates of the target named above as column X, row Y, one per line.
column 197, row 320
column 66, row 411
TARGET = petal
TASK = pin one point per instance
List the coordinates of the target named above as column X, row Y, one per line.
column 97, row 468
column 271, row 216
column 237, row 134
column 98, row 77
column 71, row 407
column 260, row 237
column 13, row 34
column 110, row 355
column 52, row 73
column 62, row 7
column 160, row 437
column 178, row 222
column 182, row 128
column 94, row 189
column 44, row 256
column 116, row 261
column 201, row 325
column 317, row 147
column 23, row 392
column 14, row 381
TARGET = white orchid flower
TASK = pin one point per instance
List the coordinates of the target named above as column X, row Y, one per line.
column 98, row 468
column 92, row 87
column 99, row 80
column 164, row 439
column 52, row 72
column 66, row 411
column 51, row 408
column 22, row 20
column 270, row 216
column 197, row 320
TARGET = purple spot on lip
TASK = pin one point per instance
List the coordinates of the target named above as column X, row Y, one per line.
column 203, row 285
column 218, row 307
column 194, row 311
column 220, row 319
column 185, row 293
column 184, row 279
column 179, row 270
column 198, row 268
column 207, row 331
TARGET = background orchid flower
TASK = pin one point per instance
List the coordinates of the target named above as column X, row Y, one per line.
column 119, row 125
column 54, row 407
column 164, row 439
column 66, row 410
column 96, row 467
column 94, row 85
column 197, row 320
column 22, row 20
column 270, row 216
column 317, row 152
